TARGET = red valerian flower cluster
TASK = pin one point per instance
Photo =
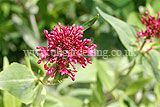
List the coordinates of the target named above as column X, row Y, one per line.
column 152, row 27
column 65, row 48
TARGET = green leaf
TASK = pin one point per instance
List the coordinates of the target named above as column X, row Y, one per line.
column 157, row 91
column 7, row 97
column 34, row 64
column 5, row 7
column 5, row 62
column 90, row 23
column 134, row 20
column 61, row 101
column 81, row 76
column 97, row 98
column 153, row 60
column 10, row 101
column 1, row 99
column 19, row 81
column 126, row 33
column 146, row 65
column 26, row 32
column 135, row 86
column 155, row 4
column 79, row 92
column 105, row 74
column 41, row 95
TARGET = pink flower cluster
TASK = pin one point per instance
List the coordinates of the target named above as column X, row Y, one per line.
column 152, row 27
column 65, row 48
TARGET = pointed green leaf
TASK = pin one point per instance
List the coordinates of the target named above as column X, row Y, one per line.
column 90, row 23
column 126, row 33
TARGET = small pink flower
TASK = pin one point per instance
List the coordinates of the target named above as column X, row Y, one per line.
column 152, row 27
column 65, row 46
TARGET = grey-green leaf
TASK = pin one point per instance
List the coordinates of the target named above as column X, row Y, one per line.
column 126, row 32
column 19, row 81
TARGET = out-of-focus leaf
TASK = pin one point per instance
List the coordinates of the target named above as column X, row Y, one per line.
column 18, row 80
column 157, row 93
column 30, row 3
column 90, row 23
column 97, row 98
column 27, row 34
column 125, row 101
column 105, row 74
column 117, row 3
column 79, row 92
column 153, row 60
column 5, row 8
column 86, row 75
column 17, row 9
column 126, row 33
column 4, row 47
column 155, row 4
column 137, row 85
column 89, row 4
column 42, row 7
column 61, row 101
column 10, row 101
column 133, row 19
column 5, row 62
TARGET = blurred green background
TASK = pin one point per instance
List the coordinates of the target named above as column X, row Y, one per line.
column 21, row 28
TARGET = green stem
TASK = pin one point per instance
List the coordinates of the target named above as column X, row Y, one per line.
column 122, row 80
column 45, row 79
column 142, row 45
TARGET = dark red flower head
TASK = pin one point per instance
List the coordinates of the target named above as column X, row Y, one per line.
column 65, row 47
